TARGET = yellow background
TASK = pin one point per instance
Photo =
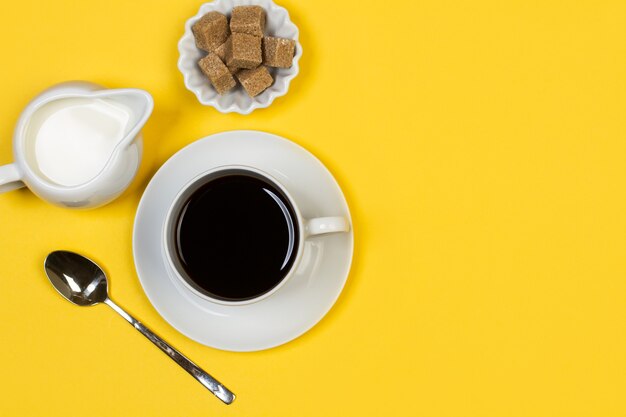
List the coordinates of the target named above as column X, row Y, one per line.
column 482, row 149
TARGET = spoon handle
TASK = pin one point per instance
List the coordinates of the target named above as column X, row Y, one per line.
column 194, row 370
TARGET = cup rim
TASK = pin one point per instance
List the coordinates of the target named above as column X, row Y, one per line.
column 167, row 245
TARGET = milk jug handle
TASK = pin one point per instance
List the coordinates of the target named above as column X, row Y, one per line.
column 10, row 178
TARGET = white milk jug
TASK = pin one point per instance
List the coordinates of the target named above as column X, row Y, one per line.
column 77, row 144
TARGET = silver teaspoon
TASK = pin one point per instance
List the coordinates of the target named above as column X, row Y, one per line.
column 84, row 283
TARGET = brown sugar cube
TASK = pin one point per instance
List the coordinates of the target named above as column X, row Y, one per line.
column 222, row 51
column 210, row 31
column 256, row 80
column 243, row 51
column 217, row 72
column 248, row 19
column 278, row 52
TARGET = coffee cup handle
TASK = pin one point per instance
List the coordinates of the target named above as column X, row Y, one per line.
column 10, row 178
column 324, row 225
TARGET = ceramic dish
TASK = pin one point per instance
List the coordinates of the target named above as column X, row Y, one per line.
column 237, row 100
column 299, row 304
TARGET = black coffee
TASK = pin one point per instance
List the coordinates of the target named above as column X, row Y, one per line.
column 236, row 237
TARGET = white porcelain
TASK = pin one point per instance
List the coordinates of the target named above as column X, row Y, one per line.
column 294, row 308
column 308, row 228
column 119, row 170
column 237, row 100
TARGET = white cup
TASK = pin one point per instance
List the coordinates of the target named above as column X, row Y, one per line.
column 307, row 228
column 116, row 174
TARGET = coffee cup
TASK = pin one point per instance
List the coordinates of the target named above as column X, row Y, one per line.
column 234, row 235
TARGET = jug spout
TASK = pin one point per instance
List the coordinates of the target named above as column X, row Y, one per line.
column 140, row 105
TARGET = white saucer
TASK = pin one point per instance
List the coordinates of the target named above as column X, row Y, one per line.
column 296, row 307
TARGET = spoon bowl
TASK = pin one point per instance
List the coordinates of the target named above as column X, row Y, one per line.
column 78, row 279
